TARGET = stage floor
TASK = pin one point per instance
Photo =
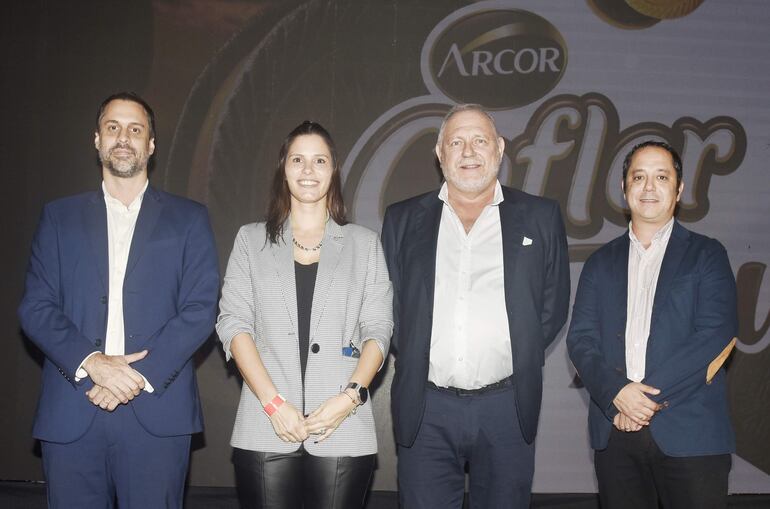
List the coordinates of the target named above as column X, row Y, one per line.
column 31, row 495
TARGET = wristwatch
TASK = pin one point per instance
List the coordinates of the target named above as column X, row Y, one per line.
column 363, row 392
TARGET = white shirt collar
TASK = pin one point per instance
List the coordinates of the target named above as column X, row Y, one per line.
column 133, row 206
column 660, row 235
column 443, row 194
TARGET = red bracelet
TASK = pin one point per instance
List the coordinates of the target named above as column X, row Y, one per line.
column 273, row 405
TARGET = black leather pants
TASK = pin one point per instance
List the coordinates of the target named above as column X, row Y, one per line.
column 297, row 480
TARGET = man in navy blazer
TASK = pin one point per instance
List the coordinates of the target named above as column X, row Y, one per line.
column 481, row 288
column 654, row 308
column 121, row 290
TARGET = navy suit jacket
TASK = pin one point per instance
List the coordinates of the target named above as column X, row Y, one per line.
column 536, row 297
column 169, row 305
column 694, row 317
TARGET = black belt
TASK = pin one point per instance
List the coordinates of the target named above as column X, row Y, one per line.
column 502, row 384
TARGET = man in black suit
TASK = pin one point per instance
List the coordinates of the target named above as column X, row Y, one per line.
column 481, row 288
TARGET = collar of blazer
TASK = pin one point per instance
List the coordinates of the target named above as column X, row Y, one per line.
column 283, row 253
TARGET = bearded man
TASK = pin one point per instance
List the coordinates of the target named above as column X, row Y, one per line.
column 121, row 290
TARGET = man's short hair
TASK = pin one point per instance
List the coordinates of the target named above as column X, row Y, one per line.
column 459, row 108
column 127, row 96
column 659, row 144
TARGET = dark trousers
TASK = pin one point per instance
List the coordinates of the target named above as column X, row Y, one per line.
column 297, row 480
column 480, row 431
column 634, row 473
column 117, row 459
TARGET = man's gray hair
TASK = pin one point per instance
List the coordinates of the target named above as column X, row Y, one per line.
column 459, row 108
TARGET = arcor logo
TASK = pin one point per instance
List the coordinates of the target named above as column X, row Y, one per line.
column 501, row 58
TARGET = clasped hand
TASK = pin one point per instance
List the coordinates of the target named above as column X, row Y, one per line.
column 115, row 381
column 291, row 426
column 636, row 409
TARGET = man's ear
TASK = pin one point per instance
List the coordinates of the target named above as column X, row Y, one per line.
column 97, row 141
column 152, row 147
column 679, row 192
column 437, row 150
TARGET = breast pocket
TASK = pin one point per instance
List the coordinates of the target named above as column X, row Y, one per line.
column 683, row 296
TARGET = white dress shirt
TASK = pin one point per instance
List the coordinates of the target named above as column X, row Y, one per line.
column 121, row 222
column 470, row 342
column 643, row 271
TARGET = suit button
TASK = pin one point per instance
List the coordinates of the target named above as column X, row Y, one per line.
column 98, row 342
column 103, row 299
column 315, row 348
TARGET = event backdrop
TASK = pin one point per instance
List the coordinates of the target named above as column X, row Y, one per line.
column 572, row 84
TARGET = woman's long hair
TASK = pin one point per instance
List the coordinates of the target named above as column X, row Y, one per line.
column 280, row 199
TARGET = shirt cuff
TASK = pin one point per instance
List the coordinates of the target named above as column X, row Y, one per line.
column 147, row 385
column 81, row 373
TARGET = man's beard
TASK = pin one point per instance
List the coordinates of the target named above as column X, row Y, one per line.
column 123, row 167
column 471, row 184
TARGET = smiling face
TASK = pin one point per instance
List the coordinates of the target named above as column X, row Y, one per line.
column 123, row 139
column 651, row 188
column 308, row 168
column 470, row 152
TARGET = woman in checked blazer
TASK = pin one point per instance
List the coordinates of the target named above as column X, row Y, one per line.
column 306, row 312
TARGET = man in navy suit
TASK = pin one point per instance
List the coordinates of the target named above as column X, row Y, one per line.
column 481, row 288
column 121, row 290
column 654, row 308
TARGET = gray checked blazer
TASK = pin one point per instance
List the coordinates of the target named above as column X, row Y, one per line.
column 352, row 302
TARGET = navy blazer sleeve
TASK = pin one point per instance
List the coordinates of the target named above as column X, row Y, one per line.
column 584, row 341
column 40, row 311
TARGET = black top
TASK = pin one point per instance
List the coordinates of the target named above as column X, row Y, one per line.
column 304, row 276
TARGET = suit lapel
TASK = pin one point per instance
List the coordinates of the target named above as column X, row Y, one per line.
column 426, row 242
column 327, row 266
column 677, row 246
column 96, row 230
column 511, row 212
column 283, row 252
column 149, row 213
column 620, row 278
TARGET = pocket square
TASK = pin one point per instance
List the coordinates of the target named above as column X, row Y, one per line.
column 526, row 241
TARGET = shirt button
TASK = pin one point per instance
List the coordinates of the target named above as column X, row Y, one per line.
column 460, row 359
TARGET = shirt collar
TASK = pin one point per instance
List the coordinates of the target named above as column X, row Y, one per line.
column 661, row 235
column 135, row 205
column 443, row 194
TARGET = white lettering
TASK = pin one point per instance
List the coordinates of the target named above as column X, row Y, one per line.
column 454, row 56
column 524, row 61
column 526, row 52
column 481, row 60
column 498, row 65
column 550, row 61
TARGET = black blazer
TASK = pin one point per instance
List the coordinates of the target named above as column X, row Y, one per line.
column 536, row 296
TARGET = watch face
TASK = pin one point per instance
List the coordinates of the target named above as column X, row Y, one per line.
column 363, row 394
